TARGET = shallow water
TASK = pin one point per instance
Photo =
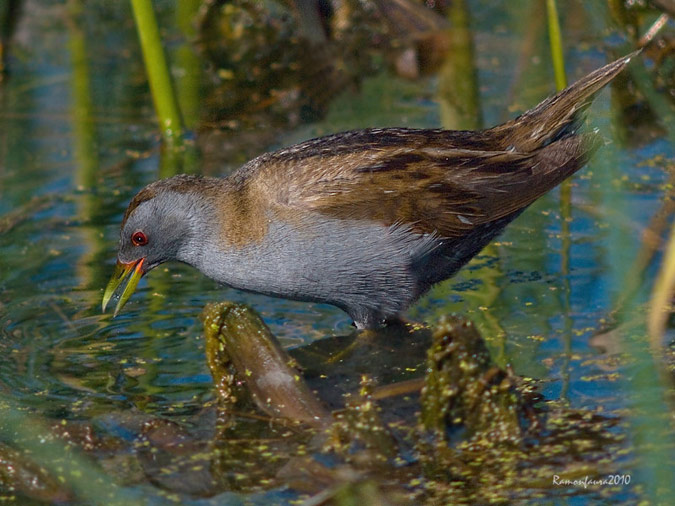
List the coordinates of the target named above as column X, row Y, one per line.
column 78, row 138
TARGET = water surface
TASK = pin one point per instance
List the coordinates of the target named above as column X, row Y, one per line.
column 78, row 138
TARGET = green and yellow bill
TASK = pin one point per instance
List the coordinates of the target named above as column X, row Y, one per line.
column 134, row 272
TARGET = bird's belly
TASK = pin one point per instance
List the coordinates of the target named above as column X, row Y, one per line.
column 347, row 263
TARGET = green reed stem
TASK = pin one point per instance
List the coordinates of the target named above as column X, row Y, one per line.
column 458, row 91
column 156, row 66
column 555, row 41
column 556, row 45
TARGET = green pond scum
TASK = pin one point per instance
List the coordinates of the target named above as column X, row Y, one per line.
column 541, row 373
column 475, row 434
column 468, row 433
column 462, row 387
column 235, row 334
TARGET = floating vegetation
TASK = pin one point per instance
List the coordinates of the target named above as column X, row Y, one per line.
column 479, row 434
column 124, row 411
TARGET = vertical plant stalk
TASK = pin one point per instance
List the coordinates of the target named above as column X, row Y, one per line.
column 159, row 79
column 171, row 128
column 84, row 147
column 188, row 82
column 458, row 92
column 664, row 286
column 558, row 60
column 556, row 45
column 660, row 305
column 460, row 109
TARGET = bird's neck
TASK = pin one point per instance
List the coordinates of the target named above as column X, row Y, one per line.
column 222, row 221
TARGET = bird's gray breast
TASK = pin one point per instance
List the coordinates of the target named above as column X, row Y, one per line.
column 348, row 263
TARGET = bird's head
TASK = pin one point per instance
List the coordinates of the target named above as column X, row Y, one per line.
column 159, row 224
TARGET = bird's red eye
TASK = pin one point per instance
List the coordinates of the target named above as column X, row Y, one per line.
column 138, row 238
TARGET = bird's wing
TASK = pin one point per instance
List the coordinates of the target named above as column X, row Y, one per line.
column 416, row 182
